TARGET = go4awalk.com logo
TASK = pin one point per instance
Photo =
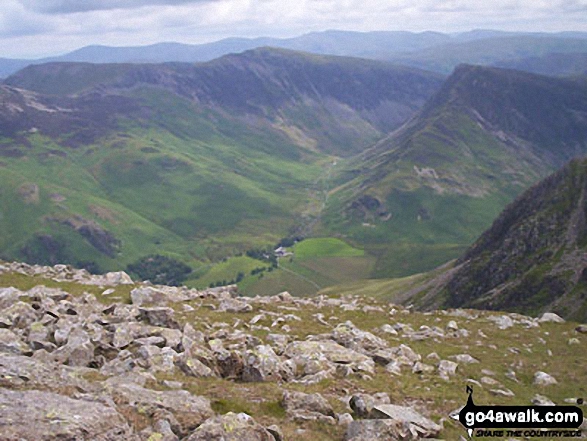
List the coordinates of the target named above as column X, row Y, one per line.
column 526, row 421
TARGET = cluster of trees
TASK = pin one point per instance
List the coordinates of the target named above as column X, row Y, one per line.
column 287, row 242
column 161, row 270
column 240, row 276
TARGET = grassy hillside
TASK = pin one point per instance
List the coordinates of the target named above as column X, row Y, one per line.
column 105, row 164
column 418, row 198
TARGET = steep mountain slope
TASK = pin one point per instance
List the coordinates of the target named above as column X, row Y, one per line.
column 290, row 89
column 436, row 184
column 195, row 161
column 534, row 256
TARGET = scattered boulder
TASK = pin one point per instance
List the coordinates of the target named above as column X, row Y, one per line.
column 308, row 407
column 550, row 317
column 362, row 404
column 502, row 321
column 37, row 415
column 543, row 379
column 231, row 427
column 447, row 369
column 262, row 364
column 310, row 357
column 349, row 336
column 541, row 400
column 419, row 426
column 380, row 430
column 189, row 410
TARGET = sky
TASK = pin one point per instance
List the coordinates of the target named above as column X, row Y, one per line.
column 37, row 28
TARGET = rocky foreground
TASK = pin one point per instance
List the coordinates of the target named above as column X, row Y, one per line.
column 87, row 357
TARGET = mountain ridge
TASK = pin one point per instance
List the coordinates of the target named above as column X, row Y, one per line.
column 485, row 136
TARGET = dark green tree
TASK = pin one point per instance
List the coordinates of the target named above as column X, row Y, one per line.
column 160, row 270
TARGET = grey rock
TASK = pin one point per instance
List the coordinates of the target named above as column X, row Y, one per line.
column 308, row 407
column 541, row 400
column 417, row 423
column 276, row 432
column 262, row 364
column 148, row 295
column 17, row 370
column 311, row 357
column 422, row 368
column 380, row 430
column 543, row 379
column 11, row 343
column 231, row 427
column 464, row 358
column 159, row 316
column 189, row 410
column 349, row 336
column 37, row 415
column 362, row 404
column 502, row 321
column 234, row 305
column 447, row 369
column 550, row 317
column 193, row 366
column 9, row 296
column 582, row 329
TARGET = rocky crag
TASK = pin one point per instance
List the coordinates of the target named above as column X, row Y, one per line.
column 100, row 358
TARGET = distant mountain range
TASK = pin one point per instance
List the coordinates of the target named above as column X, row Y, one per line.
column 428, row 50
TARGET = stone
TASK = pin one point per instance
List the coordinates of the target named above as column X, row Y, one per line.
column 9, row 296
column 447, row 369
column 189, row 410
column 362, row 404
column 192, row 366
column 550, row 317
column 311, row 357
column 502, row 393
column 541, row 400
column 464, row 358
column 158, row 359
column 234, row 305
column 148, row 295
column 452, row 326
column 502, row 321
column 418, row 424
column 11, row 343
column 231, row 427
column 348, row 335
column 262, row 364
column 344, row 419
column 422, row 368
column 78, row 351
column 543, row 379
column 307, row 407
column 38, row 415
column 403, row 355
column 582, row 329
column 16, row 370
column 159, row 316
column 380, row 430
column 275, row 430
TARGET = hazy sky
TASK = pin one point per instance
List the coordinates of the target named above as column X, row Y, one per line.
column 34, row 28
